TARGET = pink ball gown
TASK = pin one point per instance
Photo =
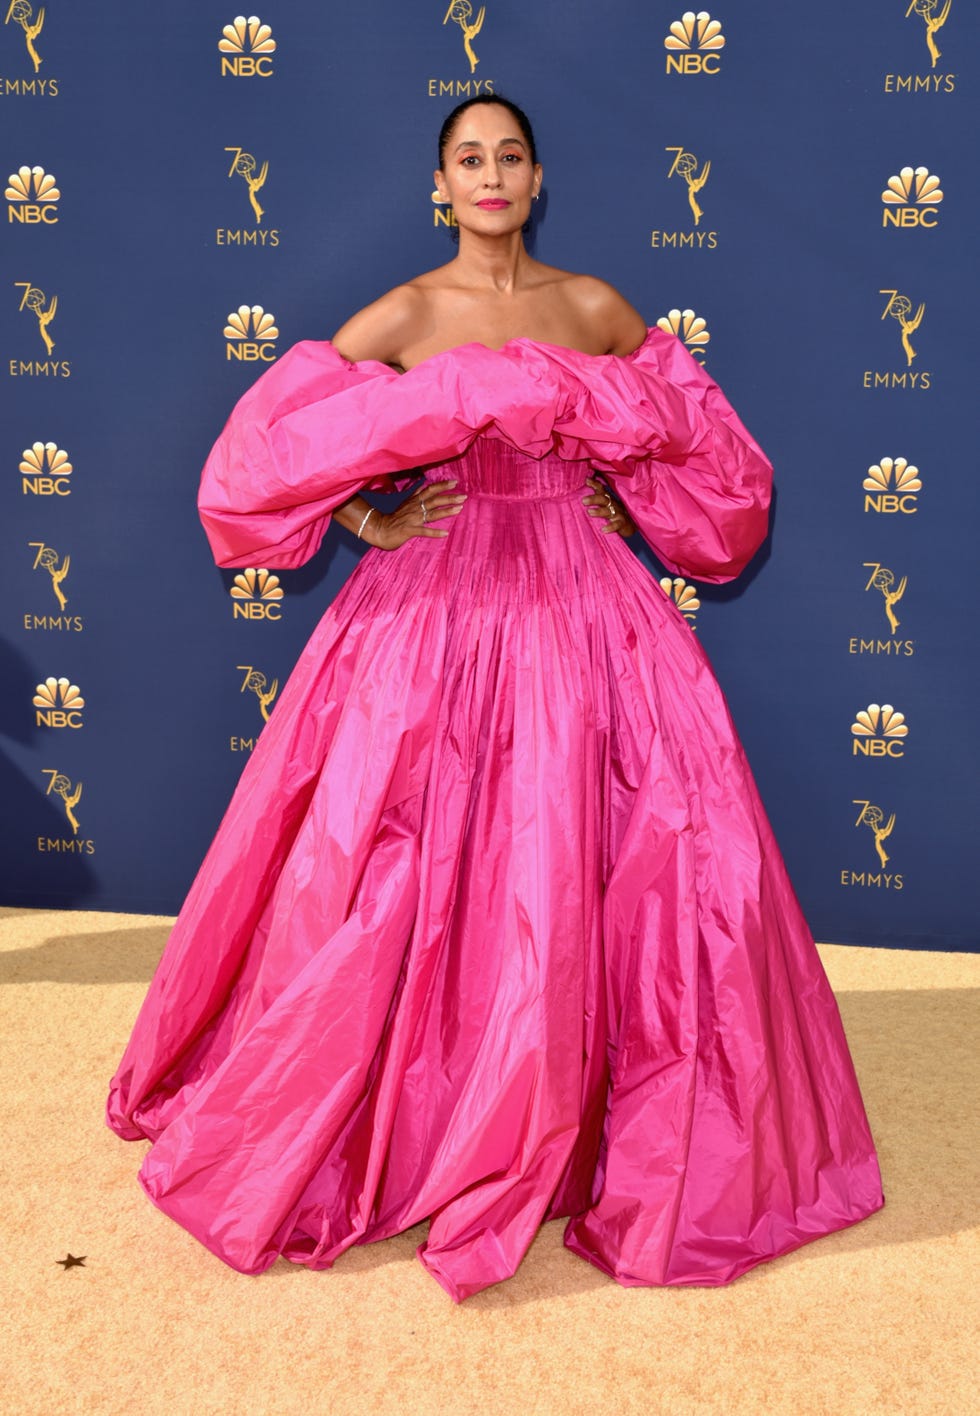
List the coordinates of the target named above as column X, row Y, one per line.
column 495, row 929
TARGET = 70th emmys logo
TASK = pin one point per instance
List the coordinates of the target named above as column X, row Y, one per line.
column 911, row 198
column 47, row 558
column 461, row 13
column 934, row 14
column 22, row 14
column 33, row 300
column 689, row 327
column 899, row 307
column 683, row 595
column 257, row 683
column 693, row 44
column 62, row 787
column 891, row 485
column 874, row 818
column 246, row 47
column 251, row 332
column 59, row 704
column 243, row 165
column 32, row 194
column 685, row 165
column 883, row 579
column 879, row 731
column 257, row 595
column 45, row 470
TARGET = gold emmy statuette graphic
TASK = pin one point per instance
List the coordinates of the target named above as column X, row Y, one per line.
column 32, row 194
column 71, row 796
column 45, row 470
column 461, row 13
column 884, row 580
column 879, row 731
column 59, row 704
column 911, row 198
column 244, row 165
column 900, row 308
column 693, row 43
column 687, row 165
column 873, row 817
column 689, row 327
column 250, row 333
column 926, row 10
column 47, row 559
column 892, row 484
column 246, row 46
column 256, row 682
column 34, row 300
column 684, row 596
column 22, row 14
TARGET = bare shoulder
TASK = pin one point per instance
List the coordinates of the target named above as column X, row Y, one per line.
column 380, row 330
column 621, row 326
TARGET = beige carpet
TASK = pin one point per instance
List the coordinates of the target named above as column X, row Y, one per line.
column 881, row 1318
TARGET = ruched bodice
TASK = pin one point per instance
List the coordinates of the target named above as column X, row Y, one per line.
column 497, row 470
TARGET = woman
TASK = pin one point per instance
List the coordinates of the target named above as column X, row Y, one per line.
column 495, row 929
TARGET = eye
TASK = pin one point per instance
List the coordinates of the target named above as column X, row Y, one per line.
column 470, row 157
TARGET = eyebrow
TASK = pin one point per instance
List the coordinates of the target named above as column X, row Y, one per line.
column 504, row 142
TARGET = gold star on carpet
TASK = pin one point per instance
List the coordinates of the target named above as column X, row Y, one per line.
column 72, row 1262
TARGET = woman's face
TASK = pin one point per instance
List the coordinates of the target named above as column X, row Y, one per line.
column 487, row 172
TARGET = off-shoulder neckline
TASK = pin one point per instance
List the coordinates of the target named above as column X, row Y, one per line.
column 560, row 349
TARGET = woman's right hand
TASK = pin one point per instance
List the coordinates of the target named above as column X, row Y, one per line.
column 433, row 501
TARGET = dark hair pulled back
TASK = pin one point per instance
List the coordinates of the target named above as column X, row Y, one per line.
column 518, row 115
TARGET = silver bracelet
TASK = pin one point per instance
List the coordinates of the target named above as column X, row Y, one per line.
column 364, row 522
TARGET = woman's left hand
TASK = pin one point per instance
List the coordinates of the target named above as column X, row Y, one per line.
column 608, row 509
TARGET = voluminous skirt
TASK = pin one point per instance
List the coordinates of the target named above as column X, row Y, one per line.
column 494, row 931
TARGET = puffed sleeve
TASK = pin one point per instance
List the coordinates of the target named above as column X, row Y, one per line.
column 316, row 428
column 694, row 480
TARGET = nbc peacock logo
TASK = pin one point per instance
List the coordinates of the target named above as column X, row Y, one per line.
column 58, row 703
column 690, row 328
column 32, row 197
column 911, row 198
column 879, row 731
column 246, row 47
column 892, row 485
column 45, row 471
column 694, row 44
column 257, row 594
column 683, row 595
column 250, row 334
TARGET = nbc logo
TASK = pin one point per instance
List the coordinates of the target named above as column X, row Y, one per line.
column 32, row 194
column 689, row 327
column 693, row 44
column 879, row 731
column 45, row 470
column 911, row 198
column 58, row 704
column 684, row 596
column 891, row 486
column 257, row 595
column 251, row 332
column 246, row 47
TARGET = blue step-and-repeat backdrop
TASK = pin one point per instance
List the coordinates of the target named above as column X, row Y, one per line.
column 190, row 190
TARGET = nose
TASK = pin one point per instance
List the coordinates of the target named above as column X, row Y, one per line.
column 491, row 177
